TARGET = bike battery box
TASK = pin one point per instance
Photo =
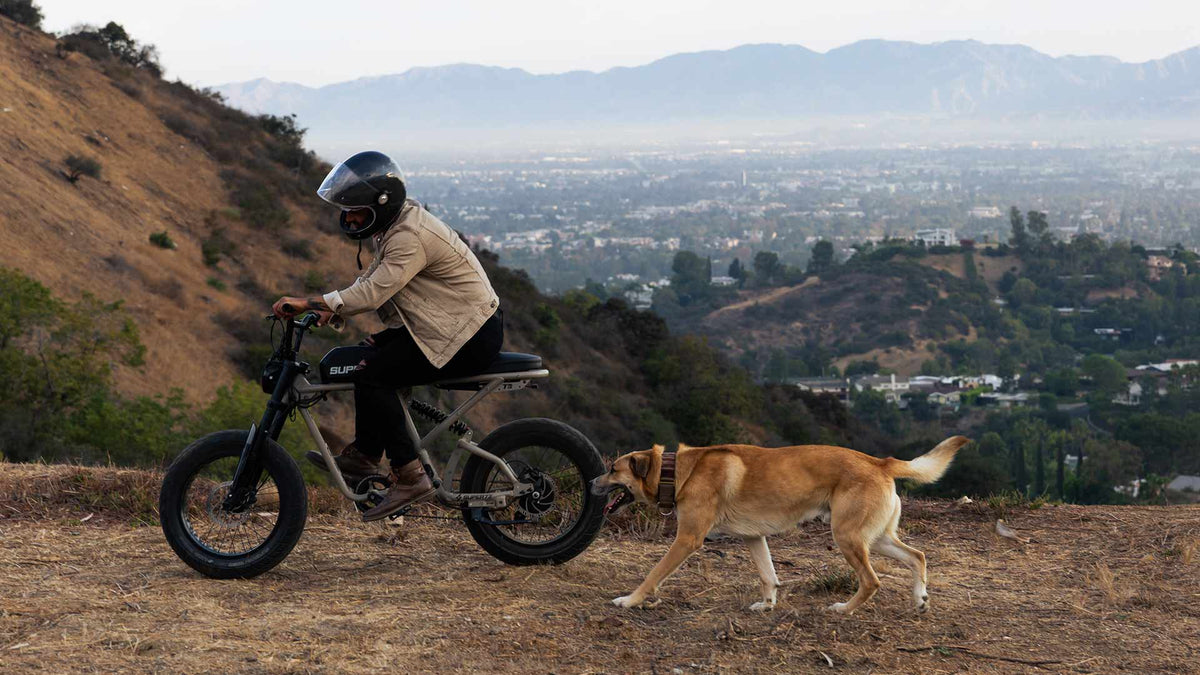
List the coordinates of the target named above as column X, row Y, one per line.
column 341, row 364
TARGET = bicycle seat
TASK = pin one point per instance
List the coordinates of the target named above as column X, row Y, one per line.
column 512, row 362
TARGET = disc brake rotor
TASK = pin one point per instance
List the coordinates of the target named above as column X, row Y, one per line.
column 214, row 507
column 541, row 499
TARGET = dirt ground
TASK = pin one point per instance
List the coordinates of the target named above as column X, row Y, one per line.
column 87, row 586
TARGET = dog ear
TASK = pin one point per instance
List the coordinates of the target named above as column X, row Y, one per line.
column 640, row 465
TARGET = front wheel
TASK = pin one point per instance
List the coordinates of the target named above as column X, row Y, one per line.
column 226, row 544
column 562, row 519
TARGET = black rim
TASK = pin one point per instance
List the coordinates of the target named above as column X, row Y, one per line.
column 221, row 532
column 556, row 504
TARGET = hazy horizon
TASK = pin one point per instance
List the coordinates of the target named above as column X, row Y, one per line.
column 222, row 41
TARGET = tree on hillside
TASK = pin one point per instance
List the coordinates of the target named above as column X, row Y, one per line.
column 1023, row 292
column 1020, row 237
column 114, row 41
column 738, row 272
column 691, row 279
column 23, row 12
column 1107, row 374
column 766, row 267
column 78, row 166
column 822, row 257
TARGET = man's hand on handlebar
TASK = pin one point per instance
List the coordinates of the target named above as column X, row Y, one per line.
column 289, row 306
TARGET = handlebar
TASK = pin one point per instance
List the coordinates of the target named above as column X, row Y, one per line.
column 286, row 344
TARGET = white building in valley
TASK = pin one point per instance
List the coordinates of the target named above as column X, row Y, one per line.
column 938, row 236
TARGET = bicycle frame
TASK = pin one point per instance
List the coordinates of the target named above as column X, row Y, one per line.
column 292, row 387
column 488, row 384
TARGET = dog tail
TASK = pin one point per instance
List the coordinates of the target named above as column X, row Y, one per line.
column 929, row 467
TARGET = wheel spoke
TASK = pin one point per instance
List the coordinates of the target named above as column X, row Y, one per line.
column 561, row 486
column 220, row 531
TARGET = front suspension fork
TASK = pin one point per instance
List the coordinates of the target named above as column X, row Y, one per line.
column 249, row 469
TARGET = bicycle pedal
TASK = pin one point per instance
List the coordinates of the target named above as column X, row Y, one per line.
column 400, row 513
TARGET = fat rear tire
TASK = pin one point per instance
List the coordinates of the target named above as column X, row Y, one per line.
column 575, row 447
column 289, row 525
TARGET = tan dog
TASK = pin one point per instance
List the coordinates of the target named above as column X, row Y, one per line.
column 754, row 492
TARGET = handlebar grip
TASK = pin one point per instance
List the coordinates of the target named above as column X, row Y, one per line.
column 289, row 308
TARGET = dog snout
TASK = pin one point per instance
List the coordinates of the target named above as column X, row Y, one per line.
column 601, row 485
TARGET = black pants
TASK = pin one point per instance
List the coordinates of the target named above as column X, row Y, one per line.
column 398, row 362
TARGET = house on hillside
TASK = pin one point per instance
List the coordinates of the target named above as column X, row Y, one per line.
column 1185, row 484
column 1168, row 365
column 1114, row 333
column 938, row 236
column 1131, row 396
column 891, row 386
column 822, row 385
column 1017, row 400
column 985, row 212
column 1157, row 265
column 946, row 395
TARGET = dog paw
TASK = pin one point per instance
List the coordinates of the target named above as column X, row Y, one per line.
column 625, row 601
column 922, row 604
column 839, row 607
column 762, row 607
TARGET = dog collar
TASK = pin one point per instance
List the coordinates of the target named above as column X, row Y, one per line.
column 666, row 483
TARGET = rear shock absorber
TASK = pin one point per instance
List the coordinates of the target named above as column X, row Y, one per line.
column 437, row 415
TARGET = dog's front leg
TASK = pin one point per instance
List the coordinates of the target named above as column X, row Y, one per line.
column 684, row 545
column 761, row 555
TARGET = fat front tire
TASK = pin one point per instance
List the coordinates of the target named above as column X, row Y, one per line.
column 561, row 459
column 225, row 545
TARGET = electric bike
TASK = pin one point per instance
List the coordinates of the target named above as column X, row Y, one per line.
column 233, row 503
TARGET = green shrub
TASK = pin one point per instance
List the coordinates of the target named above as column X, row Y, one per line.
column 112, row 42
column 162, row 240
column 216, row 283
column 57, row 360
column 78, row 165
column 23, row 12
column 216, row 245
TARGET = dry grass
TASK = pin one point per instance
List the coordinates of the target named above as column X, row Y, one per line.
column 1098, row 589
column 56, row 107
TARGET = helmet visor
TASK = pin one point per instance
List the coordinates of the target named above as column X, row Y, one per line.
column 345, row 189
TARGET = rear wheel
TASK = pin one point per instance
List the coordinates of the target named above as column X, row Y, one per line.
column 561, row 517
column 225, row 544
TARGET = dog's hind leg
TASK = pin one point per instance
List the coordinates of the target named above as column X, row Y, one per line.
column 889, row 544
column 761, row 555
column 858, row 519
column 855, row 551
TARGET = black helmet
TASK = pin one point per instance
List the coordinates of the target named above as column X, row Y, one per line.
column 369, row 180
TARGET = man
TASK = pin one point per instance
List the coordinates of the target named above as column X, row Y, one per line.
column 428, row 288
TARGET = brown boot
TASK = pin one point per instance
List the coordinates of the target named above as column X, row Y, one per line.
column 410, row 484
column 354, row 464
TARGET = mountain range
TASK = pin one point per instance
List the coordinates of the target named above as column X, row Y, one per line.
column 957, row 80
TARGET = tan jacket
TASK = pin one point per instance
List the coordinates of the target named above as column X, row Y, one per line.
column 425, row 278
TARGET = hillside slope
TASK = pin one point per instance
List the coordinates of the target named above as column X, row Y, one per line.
column 93, row 236
column 1096, row 590
column 177, row 160
column 886, row 311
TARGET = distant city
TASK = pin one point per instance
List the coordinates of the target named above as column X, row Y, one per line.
column 619, row 219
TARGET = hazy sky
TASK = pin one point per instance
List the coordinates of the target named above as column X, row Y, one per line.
column 216, row 41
